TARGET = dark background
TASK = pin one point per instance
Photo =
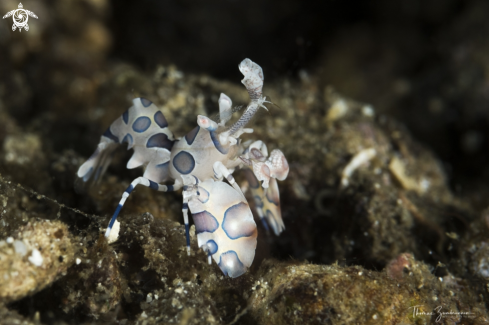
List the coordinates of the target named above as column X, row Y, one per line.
column 423, row 62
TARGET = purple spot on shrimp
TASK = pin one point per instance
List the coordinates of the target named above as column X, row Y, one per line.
column 153, row 185
column 204, row 195
column 190, row 137
column 125, row 116
column 145, row 102
column 238, row 221
column 141, row 124
column 184, row 162
column 163, row 165
column 159, row 140
column 205, row 222
column 258, row 201
column 231, row 265
column 110, row 135
column 128, row 138
column 211, row 247
column 217, row 143
column 160, row 120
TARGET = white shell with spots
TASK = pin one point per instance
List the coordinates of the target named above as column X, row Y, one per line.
column 145, row 129
column 193, row 152
column 225, row 226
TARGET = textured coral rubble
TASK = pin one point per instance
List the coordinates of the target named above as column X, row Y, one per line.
column 396, row 201
column 331, row 294
column 39, row 254
column 148, row 273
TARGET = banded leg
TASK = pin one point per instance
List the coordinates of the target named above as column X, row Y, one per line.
column 221, row 171
column 142, row 181
column 185, row 221
column 189, row 191
column 207, row 251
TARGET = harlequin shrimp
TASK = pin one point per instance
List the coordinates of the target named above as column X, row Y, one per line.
column 198, row 163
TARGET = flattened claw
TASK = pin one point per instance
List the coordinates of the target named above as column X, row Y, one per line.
column 97, row 164
column 253, row 78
